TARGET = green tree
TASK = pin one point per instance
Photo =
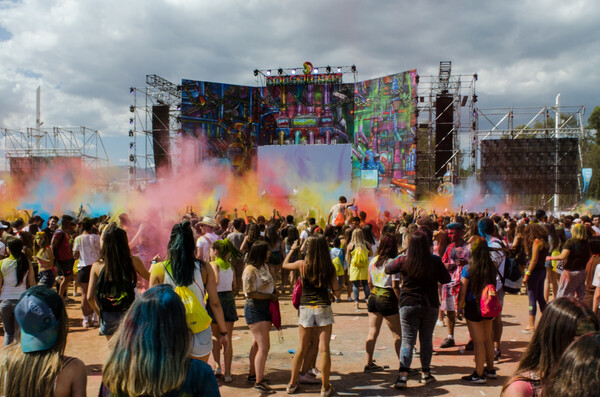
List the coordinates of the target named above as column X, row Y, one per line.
column 594, row 123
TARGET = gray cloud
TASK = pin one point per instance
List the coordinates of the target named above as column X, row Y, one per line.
column 86, row 55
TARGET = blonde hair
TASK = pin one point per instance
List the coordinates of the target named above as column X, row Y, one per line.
column 358, row 238
column 578, row 231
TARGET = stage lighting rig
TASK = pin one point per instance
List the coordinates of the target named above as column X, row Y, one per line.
column 353, row 69
column 131, row 121
column 132, row 108
column 131, row 90
column 268, row 72
column 293, row 71
column 280, row 71
column 328, row 68
column 131, row 133
column 256, row 72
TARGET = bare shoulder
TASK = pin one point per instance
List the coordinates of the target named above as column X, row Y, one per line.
column 72, row 378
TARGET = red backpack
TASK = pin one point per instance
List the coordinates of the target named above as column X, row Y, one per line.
column 339, row 219
column 489, row 302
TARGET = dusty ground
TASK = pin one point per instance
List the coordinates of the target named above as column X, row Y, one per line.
column 348, row 356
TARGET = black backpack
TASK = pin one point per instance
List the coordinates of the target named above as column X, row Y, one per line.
column 513, row 277
column 114, row 296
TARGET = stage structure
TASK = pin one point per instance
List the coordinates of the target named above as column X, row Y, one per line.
column 28, row 152
column 153, row 125
column 445, row 111
column 310, row 106
column 530, row 156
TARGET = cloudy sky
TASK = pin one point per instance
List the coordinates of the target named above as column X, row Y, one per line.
column 86, row 54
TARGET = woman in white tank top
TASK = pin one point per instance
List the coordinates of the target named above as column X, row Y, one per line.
column 221, row 252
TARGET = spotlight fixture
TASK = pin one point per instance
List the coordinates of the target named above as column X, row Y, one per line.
column 131, row 121
column 280, row 71
column 131, row 133
column 475, row 77
column 339, row 69
column 328, row 69
column 474, row 98
column 132, row 108
column 131, row 158
column 179, row 106
column 293, row 71
column 316, row 71
column 353, row 69
column 268, row 72
column 131, row 90
column 417, row 78
column 130, row 145
column 256, row 72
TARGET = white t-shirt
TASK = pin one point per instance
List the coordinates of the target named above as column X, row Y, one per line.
column 88, row 246
column 2, row 249
column 498, row 257
column 204, row 242
column 596, row 279
column 335, row 210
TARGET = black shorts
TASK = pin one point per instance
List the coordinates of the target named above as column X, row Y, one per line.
column 473, row 312
column 83, row 274
column 257, row 310
column 228, row 305
column 384, row 301
column 65, row 268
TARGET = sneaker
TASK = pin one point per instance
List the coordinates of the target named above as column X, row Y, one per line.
column 228, row 379
column 426, row 378
column 328, row 392
column 263, row 388
column 373, row 368
column 291, row 389
column 474, row 378
column 86, row 322
column 497, row 355
column 400, row 383
column 448, row 342
column 218, row 372
column 413, row 372
column 350, row 299
column 308, row 379
column 416, row 352
column 95, row 319
column 439, row 323
column 315, row 372
column 469, row 345
column 490, row 373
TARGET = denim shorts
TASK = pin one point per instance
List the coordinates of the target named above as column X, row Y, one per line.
column 257, row 310
column 47, row 278
column 315, row 316
column 202, row 343
column 228, row 305
column 109, row 322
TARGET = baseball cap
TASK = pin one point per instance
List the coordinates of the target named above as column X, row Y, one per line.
column 455, row 226
column 38, row 321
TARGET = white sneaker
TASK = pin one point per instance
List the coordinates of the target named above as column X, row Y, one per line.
column 439, row 323
column 95, row 320
column 86, row 322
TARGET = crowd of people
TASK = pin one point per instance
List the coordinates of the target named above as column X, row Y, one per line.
column 165, row 317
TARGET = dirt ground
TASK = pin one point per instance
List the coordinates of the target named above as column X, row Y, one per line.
column 348, row 355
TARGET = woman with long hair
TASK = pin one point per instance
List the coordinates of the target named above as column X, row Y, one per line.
column 479, row 272
column 555, row 246
column 575, row 254
column 357, row 253
column 536, row 246
column 222, row 253
column 45, row 260
column 150, row 352
column 182, row 269
column 37, row 365
column 576, row 374
column 592, row 276
column 16, row 275
column 421, row 273
column 252, row 236
column 259, row 289
column 111, row 289
column 563, row 320
column 315, row 319
column 383, row 300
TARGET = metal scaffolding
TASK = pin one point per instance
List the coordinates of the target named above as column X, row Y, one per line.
column 462, row 90
column 158, row 91
column 37, row 145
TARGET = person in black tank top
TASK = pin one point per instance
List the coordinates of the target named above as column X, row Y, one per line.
column 315, row 314
column 536, row 245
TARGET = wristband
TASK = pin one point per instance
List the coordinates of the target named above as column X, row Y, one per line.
column 528, row 273
column 223, row 333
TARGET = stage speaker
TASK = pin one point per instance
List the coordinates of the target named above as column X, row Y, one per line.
column 160, row 137
column 444, row 134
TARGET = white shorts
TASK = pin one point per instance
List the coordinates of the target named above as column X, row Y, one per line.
column 202, row 343
column 315, row 316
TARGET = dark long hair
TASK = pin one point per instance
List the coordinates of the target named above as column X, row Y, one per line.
column 319, row 269
column 271, row 236
column 181, row 253
column 258, row 254
column 534, row 231
column 577, row 373
column 556, row 329
column 482, row 270
column 116, row 255
column 15, row 246
column 418, row 256
column 388, row 249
